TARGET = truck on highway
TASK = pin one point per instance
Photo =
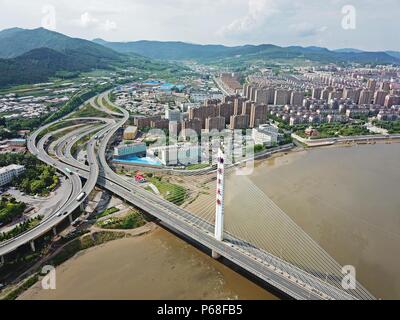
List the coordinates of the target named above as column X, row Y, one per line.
column 81, row 196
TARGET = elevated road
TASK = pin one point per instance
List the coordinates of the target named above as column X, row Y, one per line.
column 71, row 203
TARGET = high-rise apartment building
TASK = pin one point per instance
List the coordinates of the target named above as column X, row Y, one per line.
column 282, row 97
column 258, row 115
column 371, row 85
column 365, row 97
column 193, row 124
column 297, row 98
column 215, row 123
column 379, row 97
column 239, row 122
column 316, row 93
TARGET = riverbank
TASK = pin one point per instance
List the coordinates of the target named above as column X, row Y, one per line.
column 368, row 139
column 94, row 237
column 154, row 265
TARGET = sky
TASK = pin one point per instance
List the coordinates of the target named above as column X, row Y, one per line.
column 363, row 24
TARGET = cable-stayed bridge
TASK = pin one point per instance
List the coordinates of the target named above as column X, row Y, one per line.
column 265, row 242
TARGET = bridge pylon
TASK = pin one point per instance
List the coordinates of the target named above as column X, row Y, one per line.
column 219, row 206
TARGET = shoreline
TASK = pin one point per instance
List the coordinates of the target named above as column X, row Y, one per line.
column 185, row 272
column 34, row 271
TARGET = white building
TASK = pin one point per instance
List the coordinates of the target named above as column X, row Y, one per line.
column 179, row 154
column 7, row 174
column 266, row 135
column 135, row 149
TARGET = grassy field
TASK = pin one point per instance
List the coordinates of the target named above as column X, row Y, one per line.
column 197, row 166
column 107, row 212
column 170, row 192
column 21, row 228
column 331, row 130
column 132, row 220
column 88, row 111
column 109, row 106
column 393, row 127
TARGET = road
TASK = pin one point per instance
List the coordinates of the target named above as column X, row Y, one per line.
column 71, row 203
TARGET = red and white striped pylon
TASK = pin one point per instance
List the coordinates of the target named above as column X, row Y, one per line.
column 219, row 208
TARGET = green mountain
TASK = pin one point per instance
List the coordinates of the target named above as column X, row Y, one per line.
column 165, row 50
column 186, row 51
column 29, row 56
column 37, row 65
column 15, row 42
column 395, row 54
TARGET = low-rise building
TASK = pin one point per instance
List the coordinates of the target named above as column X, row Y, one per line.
column 7, row 174
column 266, row 135
column 179, row 154
column 17, row 142
column 135, row 149
column 130, row 133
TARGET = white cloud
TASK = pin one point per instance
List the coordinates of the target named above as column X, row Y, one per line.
column 258, row 12
column 87, row 20
column 109, row 25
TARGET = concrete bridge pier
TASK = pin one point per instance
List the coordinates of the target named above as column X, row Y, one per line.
column 55, row 231
column 215, row 255
column 70, row 219
column 1, row 261
column 32, row 243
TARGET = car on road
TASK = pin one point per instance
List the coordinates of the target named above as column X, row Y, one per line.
column 81, row 196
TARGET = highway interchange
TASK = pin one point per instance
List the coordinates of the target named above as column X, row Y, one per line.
column 287, row 278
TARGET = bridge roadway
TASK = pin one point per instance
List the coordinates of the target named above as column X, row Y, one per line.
column 287, row 278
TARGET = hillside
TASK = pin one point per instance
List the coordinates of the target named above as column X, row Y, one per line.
column 15, row 42
column 185, row 51
column 29, row 56
column 165, row 50
column 37, row 66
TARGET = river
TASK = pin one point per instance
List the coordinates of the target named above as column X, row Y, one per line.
column 154, row 266
column 347, row 199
